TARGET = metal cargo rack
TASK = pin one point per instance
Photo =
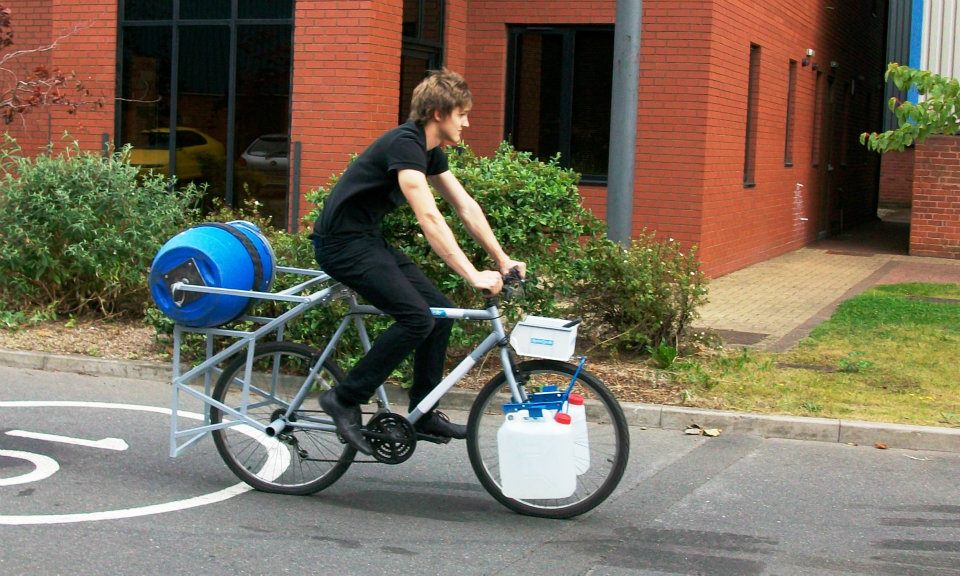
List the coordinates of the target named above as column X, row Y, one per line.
column 318, row 289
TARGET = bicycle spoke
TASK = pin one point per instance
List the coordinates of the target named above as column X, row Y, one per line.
column 298, row 460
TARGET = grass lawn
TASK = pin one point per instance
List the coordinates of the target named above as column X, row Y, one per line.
column 891, row 354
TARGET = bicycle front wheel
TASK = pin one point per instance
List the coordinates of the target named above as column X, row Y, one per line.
column 607, row 433
column 297, row 460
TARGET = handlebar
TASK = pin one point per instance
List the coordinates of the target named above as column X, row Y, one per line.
column 512, row 284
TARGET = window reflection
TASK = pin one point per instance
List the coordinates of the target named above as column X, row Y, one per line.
column 259, row 98
column 263, row 95
column 202, row 107
column 145, row 86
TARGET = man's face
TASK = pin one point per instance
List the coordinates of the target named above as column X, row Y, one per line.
column 452, row 125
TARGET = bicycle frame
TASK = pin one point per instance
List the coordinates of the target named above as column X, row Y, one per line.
column 247, row 339
column 496, row 337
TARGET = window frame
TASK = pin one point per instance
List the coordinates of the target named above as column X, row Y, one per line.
column 752, row 117
column 568, row 33
column 174, row 24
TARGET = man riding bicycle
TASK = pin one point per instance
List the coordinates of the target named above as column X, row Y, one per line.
column 399, row 168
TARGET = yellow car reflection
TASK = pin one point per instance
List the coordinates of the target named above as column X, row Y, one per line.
column 198, row 154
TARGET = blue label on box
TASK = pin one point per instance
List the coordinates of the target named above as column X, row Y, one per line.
column 542, row 341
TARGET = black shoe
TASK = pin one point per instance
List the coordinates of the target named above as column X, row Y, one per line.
column 436, row 423
column 347, row 419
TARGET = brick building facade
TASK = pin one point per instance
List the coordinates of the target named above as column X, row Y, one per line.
column 746, row 146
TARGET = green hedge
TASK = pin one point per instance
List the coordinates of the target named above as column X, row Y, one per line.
column 80, row 230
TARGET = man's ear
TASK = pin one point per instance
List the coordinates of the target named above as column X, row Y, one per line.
column 437, row 116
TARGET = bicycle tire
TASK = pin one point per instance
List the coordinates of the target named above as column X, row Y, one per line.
column 297, row 461
column 609, row 438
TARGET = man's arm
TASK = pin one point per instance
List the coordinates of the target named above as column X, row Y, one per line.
column 414, row 186
column 474, row 220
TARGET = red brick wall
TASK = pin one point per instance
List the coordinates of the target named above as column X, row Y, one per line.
column 690, row 146
column 935, row 218
column 85, row 37
column 693, row 88
column 743, row 225
column 30, row 20
column 89, row 49
column 455, row 35
column 896, row 179
column 487, row 53
column 346, row 81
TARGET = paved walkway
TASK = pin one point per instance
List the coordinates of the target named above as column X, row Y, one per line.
column 774, row 304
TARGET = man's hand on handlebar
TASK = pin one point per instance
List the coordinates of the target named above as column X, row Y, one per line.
column 511, row 267
column 488, row 281
column 491, row 283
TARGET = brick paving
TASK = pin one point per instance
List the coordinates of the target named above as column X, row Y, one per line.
column 774, row 304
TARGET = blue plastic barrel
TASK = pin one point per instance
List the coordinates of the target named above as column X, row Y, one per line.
column 233, row 255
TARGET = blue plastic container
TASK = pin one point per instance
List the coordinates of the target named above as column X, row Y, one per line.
column 233, row 255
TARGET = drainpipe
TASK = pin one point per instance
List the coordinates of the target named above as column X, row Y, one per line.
column 623, row 120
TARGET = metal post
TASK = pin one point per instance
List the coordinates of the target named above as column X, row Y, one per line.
column 293, row 192
column 623, row 120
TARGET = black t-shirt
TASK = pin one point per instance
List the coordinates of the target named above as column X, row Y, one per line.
column 369, row 189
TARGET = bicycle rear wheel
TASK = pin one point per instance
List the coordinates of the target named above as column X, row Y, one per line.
column 297, row 460
column 609, row 438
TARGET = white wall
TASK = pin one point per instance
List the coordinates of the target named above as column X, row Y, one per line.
column 940, row 51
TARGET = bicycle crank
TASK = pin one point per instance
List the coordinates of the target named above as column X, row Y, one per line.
column 391, row 436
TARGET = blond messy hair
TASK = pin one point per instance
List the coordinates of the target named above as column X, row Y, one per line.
column 441, row 91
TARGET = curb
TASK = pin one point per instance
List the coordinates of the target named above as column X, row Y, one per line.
column 854, row 432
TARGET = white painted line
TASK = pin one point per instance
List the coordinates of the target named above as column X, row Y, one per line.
column 44, row 467
column 201, row 500
column 106, row 443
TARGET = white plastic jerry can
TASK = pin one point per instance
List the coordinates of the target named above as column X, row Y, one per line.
column 536, row 456
column 581, row 443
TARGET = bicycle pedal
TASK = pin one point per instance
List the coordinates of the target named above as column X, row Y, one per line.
column 432, row 438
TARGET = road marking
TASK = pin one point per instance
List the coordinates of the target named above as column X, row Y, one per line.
column 106, row 443
column 44, row 467
column 211, row 498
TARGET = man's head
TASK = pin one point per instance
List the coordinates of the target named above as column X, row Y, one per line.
column 440, row 92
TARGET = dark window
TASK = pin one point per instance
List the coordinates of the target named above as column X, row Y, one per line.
column 558, row 95
column 204, row 9
column 422, row 46
column 791, row 103
column 218, row 70
column 266, row 8
column 845, row 124
column 147, row 9
column 817, row 112
column 750, row 140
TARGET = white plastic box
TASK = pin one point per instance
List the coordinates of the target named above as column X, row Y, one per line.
column 543, row 337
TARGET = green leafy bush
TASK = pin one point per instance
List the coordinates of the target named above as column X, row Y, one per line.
column 937, row 113
column 80, row 230
column 640, row 297
column 535, row 210
column 633, row 298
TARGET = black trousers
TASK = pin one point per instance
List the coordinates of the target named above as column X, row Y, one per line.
column 389, row 280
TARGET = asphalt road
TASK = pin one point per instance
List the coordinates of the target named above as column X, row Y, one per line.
column 730, row 505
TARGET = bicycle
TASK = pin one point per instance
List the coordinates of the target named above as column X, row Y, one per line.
column 269, row 429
